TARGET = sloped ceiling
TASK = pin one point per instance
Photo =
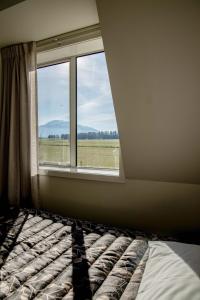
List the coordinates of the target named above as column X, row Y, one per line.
column 39, row 19
column 8, row 3
column 152, row 50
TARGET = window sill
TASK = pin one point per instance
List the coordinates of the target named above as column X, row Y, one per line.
column 83, row 173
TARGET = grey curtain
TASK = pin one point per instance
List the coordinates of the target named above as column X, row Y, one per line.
column 18, row 62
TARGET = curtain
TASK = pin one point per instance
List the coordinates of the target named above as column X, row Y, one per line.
column 17, row 131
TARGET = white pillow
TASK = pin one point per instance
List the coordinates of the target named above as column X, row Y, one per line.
column 172, row 272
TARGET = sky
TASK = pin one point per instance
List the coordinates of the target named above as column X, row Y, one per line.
column 94, row 99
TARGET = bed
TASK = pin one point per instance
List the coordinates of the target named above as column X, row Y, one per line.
column 46, row 256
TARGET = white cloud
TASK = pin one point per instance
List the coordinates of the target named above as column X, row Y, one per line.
column 95, row 105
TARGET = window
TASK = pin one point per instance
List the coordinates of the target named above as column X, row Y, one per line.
column 76, row 120
column 53, row 115
column 97, row 141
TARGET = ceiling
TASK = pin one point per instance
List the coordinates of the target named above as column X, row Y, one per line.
column 7, row 3
column 34, row 20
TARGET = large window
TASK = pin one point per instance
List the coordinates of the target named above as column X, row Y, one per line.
column 77, row 124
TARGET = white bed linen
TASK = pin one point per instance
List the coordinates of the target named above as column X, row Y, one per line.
column 172, row 272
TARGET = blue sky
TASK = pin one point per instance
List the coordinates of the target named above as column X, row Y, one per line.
column 94, row 99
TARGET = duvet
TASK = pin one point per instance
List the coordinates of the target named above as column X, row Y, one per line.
column 46, row 256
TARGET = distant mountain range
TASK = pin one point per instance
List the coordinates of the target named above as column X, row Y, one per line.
column 58, row 127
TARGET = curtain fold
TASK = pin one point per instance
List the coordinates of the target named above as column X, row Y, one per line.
column 17, row 113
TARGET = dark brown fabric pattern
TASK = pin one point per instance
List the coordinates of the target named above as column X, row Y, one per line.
column 15, row 110
column 45, row 256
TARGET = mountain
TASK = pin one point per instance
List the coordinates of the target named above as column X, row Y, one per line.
column 57, row 127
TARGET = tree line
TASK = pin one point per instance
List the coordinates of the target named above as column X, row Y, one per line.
column 100, row 135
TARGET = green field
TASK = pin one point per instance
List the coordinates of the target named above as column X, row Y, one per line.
column 90, row 153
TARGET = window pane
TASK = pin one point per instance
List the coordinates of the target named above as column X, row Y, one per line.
column 53, row 115
column 97, row 134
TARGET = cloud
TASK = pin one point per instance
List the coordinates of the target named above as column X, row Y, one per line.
column 53, row 93
column 94, row 98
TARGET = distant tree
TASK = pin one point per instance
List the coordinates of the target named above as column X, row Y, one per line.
column 51, row 136
column 64, row 136
column 100, row 135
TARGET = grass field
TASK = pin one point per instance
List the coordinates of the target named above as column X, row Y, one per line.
column 90, row 153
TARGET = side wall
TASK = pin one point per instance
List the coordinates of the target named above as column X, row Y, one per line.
column 141, row 204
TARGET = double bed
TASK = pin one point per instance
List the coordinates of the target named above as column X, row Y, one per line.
column 46, row 256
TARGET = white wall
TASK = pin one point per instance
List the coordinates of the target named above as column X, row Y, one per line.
column 152, row 50
column 141, row 204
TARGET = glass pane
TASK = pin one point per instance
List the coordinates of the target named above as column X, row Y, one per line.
column 97, row 134
column 53, row 115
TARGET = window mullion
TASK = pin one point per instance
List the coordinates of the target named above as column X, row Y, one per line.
column 73, row 113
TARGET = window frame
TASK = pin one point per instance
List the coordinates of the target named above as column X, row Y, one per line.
column 72, row 170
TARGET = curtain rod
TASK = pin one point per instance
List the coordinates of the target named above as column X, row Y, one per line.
column 68, row 38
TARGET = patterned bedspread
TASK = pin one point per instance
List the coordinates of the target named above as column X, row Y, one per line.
column 46, row 256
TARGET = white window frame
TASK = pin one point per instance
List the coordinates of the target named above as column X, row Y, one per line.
column 73, row 171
